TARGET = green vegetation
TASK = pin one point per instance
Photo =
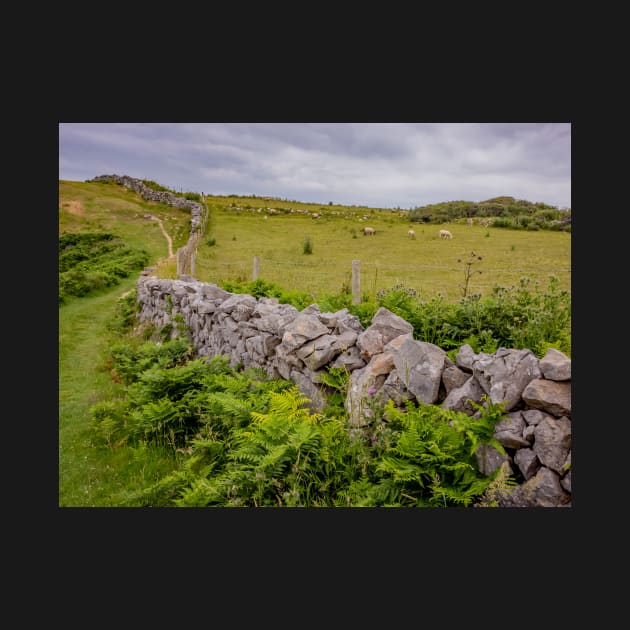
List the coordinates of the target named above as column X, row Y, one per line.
column 149, row 183
column 111, row 208
column 506, row 212
column 90, row 262
column 519, row 316
column 90, row 476
column 143, row 422
column 307, row 246
column 243, row 439
column 427, row 263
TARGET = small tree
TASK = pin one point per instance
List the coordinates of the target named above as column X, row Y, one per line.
column 307, row 247
column 468, row 272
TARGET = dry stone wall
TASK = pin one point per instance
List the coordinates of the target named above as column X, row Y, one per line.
column 386, row 362
column 161, row 196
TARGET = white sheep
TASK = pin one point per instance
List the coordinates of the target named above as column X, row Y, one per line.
column 411, row 234
column 445, row 234
column 368, row 231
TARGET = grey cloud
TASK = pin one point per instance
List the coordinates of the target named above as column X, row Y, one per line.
column 373, row 164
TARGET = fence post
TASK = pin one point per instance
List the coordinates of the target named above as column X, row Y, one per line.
column 180, row 253
column 255, row 274
column 356, row 281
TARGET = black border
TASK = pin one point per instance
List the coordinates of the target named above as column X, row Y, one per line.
column 423, row 539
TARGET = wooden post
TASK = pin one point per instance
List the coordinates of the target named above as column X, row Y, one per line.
column 356, row 281
column 180, row 253
column 255, row 274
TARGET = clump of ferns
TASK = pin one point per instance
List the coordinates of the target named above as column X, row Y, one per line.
column 432, row 460
column 273, row 460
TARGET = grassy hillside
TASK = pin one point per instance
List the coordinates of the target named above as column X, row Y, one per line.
column 276, row 230
column 96, row 207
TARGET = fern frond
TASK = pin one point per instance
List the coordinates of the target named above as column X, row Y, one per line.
column 287, row 405
column 276, row 459
column 231, row 404
column 305, row 437
column 200, row 493
column 336, row 378
column 385, row 492
column 160, row 494
column 400, row 469
column 246, row 457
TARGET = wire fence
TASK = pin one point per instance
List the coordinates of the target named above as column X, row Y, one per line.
column 337, row 264
column 370, row 276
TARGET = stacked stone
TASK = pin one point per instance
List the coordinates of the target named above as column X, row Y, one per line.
column 386, row 362
column 161, row 196
column 261, row 333
column 536, row 433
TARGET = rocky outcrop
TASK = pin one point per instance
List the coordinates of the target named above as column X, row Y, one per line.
column 385, row 362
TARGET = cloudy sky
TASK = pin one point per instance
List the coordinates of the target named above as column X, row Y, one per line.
column 387, row 165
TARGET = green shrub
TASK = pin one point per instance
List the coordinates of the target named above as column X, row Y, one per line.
column 262, row 288
column 124, row 317
column 307, row 246
column 91, row 262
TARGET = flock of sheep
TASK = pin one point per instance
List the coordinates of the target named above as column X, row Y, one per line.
column 369, row 231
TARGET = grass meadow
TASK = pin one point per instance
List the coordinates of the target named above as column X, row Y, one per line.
column 425, row 263
column 91, row 477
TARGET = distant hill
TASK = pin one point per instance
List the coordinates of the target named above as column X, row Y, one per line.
column 504, row 211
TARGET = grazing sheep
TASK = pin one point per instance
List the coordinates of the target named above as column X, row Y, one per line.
column 411, row 234
column 368, row 231
column 445, row 234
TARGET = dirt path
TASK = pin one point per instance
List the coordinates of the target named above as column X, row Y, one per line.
column 166, row 236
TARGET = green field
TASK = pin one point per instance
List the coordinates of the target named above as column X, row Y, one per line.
column 240, row 228
column 427, row 263
column 100, row 477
